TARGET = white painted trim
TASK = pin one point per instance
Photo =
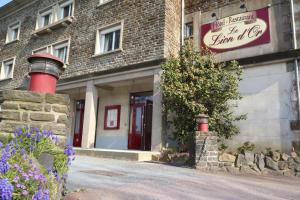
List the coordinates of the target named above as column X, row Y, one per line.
column 61, row 43
column 108, row 29
column 10, row 27
column 13, row 59
column 109, row 78
column 55, row 9
column 103, row 2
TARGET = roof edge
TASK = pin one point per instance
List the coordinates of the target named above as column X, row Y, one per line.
column 14, row 6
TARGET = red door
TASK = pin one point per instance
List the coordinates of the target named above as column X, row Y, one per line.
column 137, row 126
column 79, row 115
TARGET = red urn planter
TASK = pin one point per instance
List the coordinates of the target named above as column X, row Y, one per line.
column 45, row 70
column 202, row 123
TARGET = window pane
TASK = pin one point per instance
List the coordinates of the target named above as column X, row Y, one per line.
column 66, row 11
column 46, row 20
column 15, row 34
column 7, row 70
column 108, row 42
column 61, row 53
column 138, row 120
column 188, row 30
column 117, row 39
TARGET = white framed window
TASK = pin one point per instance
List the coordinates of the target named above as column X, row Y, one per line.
column 58, row 49
column 45, row 18
column 7, row 69
column 13, row 32
column 55, row 13
column 109, row 39
column 65, row 9
column 61, row 51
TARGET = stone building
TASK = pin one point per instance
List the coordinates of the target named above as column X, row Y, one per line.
column 113, row 51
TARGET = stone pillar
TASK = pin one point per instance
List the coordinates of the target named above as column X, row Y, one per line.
column 90, row 116
column 23, row 109
column 157, row 113
column 206, row 150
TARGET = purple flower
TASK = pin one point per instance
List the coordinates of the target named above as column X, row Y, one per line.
column 41, row 195
column 4, row 167
column 6, row 189
column 25, row 192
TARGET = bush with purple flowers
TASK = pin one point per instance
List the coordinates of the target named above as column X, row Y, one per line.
column 21, row 175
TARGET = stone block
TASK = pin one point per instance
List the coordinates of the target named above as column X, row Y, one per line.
column 57, row 129
column 63, row 119
column 20, row 95
column 9, row 127
column 57, row 99
column 9, row 106
column 225, row 157
column 297, row 159
column 25, row 116
column 46, row 160
column 10, row 115
column 47, row 117
column 283, row 165
column 284, row 157
column 247, row 170
column 60, row 109
column 47, row 108
column 241, row 160
column 271, row 164
column 31, row 106
column 260, row 161
column 276, row 156
column 249, row 156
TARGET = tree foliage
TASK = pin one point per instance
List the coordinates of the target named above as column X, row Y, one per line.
column 195, row 83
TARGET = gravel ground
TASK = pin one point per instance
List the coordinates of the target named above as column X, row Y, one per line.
column 118, row 180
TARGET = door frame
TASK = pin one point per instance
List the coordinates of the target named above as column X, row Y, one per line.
column 131, row 118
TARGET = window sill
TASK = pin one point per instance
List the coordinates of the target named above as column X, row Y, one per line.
column 101, row 4
column 5, row 79
column 48, row 29
column 107, row 53
column 7, row 43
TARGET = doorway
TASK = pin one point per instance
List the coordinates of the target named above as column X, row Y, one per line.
column 140, row 131
column 79, row 116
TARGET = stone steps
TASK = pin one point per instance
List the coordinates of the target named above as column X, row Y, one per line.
column 118, row 154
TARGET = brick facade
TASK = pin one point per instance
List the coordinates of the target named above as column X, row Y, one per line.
column 146, row 36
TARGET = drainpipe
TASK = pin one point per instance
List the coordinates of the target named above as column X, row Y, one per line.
column 295, row 60
column 182, row 22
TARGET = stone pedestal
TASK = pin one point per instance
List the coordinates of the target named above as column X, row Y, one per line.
column 206, row 150
column 22, row 109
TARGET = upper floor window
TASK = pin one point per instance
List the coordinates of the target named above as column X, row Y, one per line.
column 13, row 32
column 7, row 69
column 46, row 18
column 60, row 50
column 66, row 9
column 55, row 13
column 188, row 30
column 109, row 39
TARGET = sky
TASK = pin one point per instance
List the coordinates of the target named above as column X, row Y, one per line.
column 3, row 2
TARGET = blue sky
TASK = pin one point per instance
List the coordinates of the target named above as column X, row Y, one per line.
column 3, row 2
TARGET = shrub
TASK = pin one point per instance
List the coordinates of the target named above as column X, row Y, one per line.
column 247, row 146
column 196, row 83
column 21, row 175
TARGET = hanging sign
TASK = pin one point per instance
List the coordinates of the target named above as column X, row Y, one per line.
column 237, row 31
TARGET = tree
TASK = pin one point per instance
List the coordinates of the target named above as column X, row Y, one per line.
column 195, row 82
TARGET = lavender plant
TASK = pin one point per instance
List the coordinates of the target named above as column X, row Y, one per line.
column 21, row 176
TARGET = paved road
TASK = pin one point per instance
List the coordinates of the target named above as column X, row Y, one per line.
column 116, row 180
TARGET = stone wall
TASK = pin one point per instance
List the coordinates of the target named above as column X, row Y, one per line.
column 206, row 150
column 21, row 109
column 144, row 35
